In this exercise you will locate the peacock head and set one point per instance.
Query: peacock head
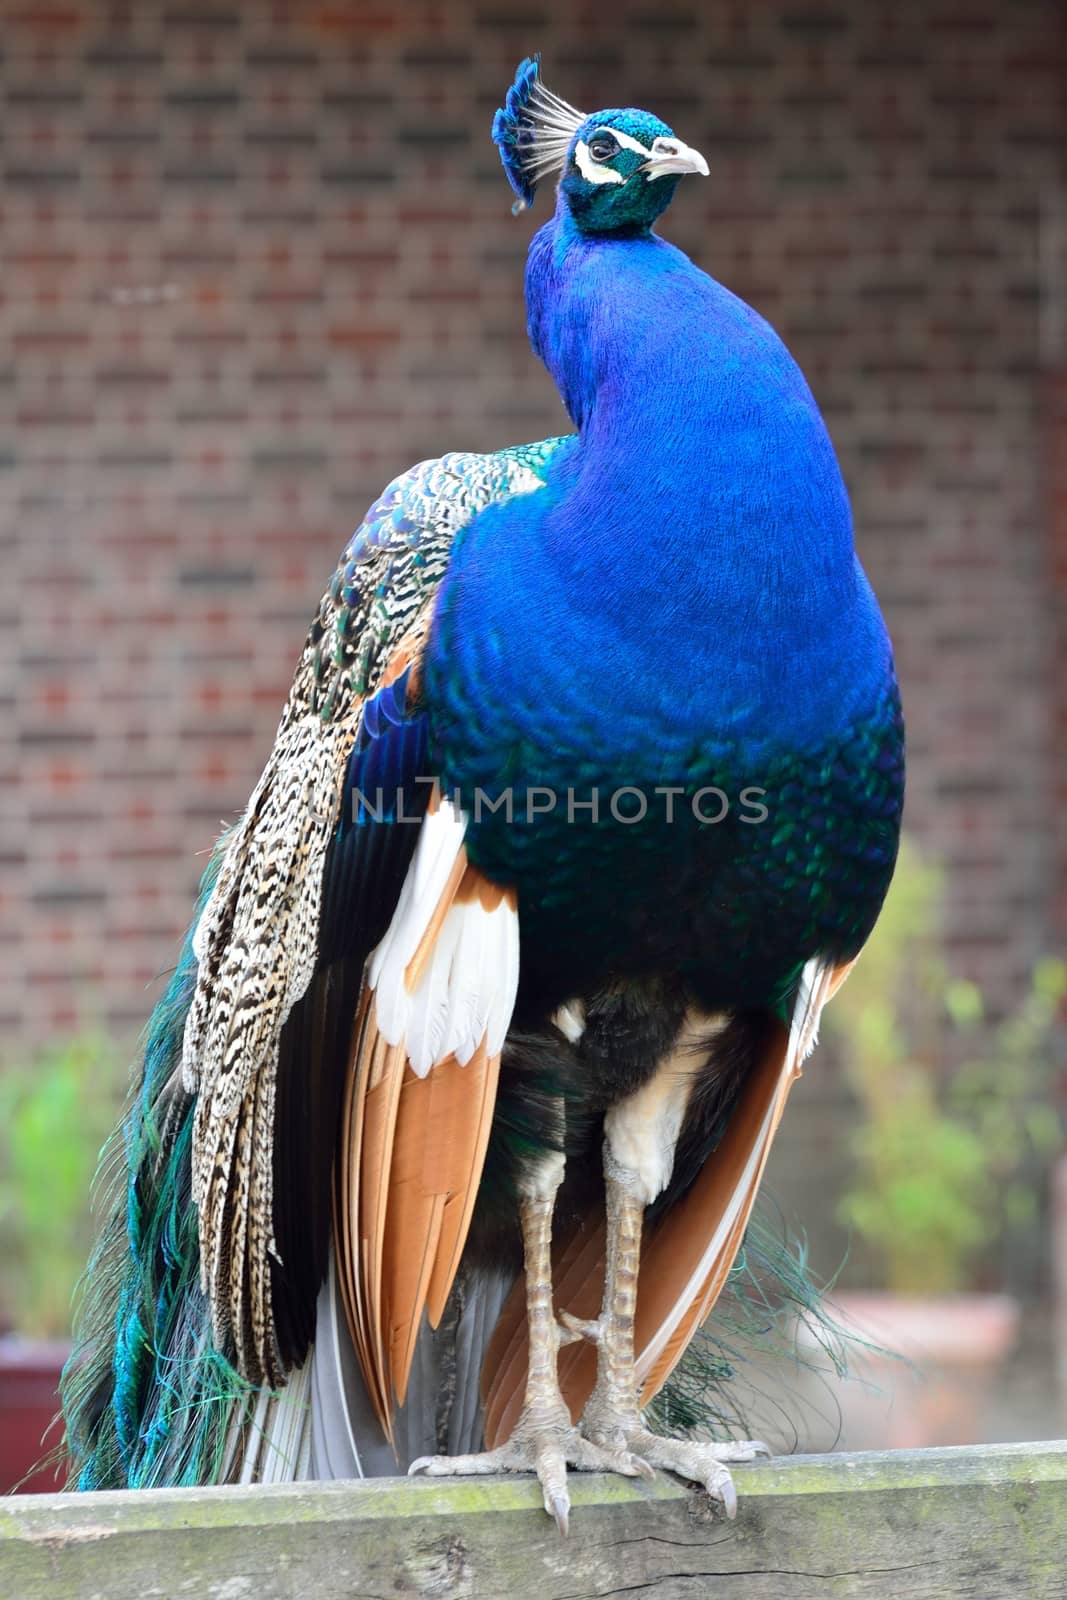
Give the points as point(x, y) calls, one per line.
point(619, 169)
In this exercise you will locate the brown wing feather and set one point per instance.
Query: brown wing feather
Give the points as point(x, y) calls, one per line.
point(673, 1253)
point(381, 1105)
point(467, 1143)
point(410, 1163)
point(674, 1250)
point(414, 1227)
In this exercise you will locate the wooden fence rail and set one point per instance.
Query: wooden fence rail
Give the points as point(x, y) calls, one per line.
point(920, 1525)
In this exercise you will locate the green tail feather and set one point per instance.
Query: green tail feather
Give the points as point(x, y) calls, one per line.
point(147, 1398)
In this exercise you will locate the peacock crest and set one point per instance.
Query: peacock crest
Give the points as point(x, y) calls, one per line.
point(533, 130)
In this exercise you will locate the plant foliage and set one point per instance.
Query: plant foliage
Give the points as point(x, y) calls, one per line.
point(55, 1113)
point(949, 1157)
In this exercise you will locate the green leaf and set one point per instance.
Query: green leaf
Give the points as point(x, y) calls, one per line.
point(55, 1113)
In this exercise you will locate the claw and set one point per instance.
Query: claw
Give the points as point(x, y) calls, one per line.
point(699, 1462)
point(459, 1466)
point(546, 1452)
point(626, 1462)
point(559, 1507)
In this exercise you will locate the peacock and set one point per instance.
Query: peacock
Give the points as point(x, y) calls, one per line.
point(449, 1125)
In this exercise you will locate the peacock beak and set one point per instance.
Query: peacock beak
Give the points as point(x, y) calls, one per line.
point(671, 155)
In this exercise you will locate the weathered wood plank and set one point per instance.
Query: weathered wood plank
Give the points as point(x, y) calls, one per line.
point(920, 1525)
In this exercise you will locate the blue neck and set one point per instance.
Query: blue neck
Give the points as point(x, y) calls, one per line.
point(704, 463)
point(697, 536)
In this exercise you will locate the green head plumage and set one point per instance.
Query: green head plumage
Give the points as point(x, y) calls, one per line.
point(619, 168)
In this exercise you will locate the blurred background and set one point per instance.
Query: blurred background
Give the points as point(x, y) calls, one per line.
point(258, 258)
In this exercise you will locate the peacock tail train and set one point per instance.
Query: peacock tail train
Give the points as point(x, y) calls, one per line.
point(148, 1398)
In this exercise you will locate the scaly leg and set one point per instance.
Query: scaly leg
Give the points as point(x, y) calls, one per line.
point(611, 1419)
point(545, 1440)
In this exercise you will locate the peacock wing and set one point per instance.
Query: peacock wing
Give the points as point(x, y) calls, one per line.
point(311, 881)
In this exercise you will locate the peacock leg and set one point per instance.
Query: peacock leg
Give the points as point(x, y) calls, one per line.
point(612, 1417)
point(544, 1440)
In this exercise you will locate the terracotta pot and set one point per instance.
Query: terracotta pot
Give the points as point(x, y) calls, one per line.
point(29, 1401)
point(953, 1347)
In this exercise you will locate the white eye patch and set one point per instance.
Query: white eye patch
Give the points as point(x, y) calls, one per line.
point(594, 171)
point(597, 172)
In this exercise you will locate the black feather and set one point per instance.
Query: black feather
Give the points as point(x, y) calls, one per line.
point(364, 870)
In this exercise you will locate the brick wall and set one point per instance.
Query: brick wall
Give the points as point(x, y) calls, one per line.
point(1052, 411)
point(258, 257)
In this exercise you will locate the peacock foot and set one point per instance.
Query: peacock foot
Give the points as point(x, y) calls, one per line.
point(705, 1462)
point(545, 1443)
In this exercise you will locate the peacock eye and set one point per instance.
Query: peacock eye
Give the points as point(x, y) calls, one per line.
point(602, 146)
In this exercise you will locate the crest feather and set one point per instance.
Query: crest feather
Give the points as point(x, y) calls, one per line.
point(533, 130)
